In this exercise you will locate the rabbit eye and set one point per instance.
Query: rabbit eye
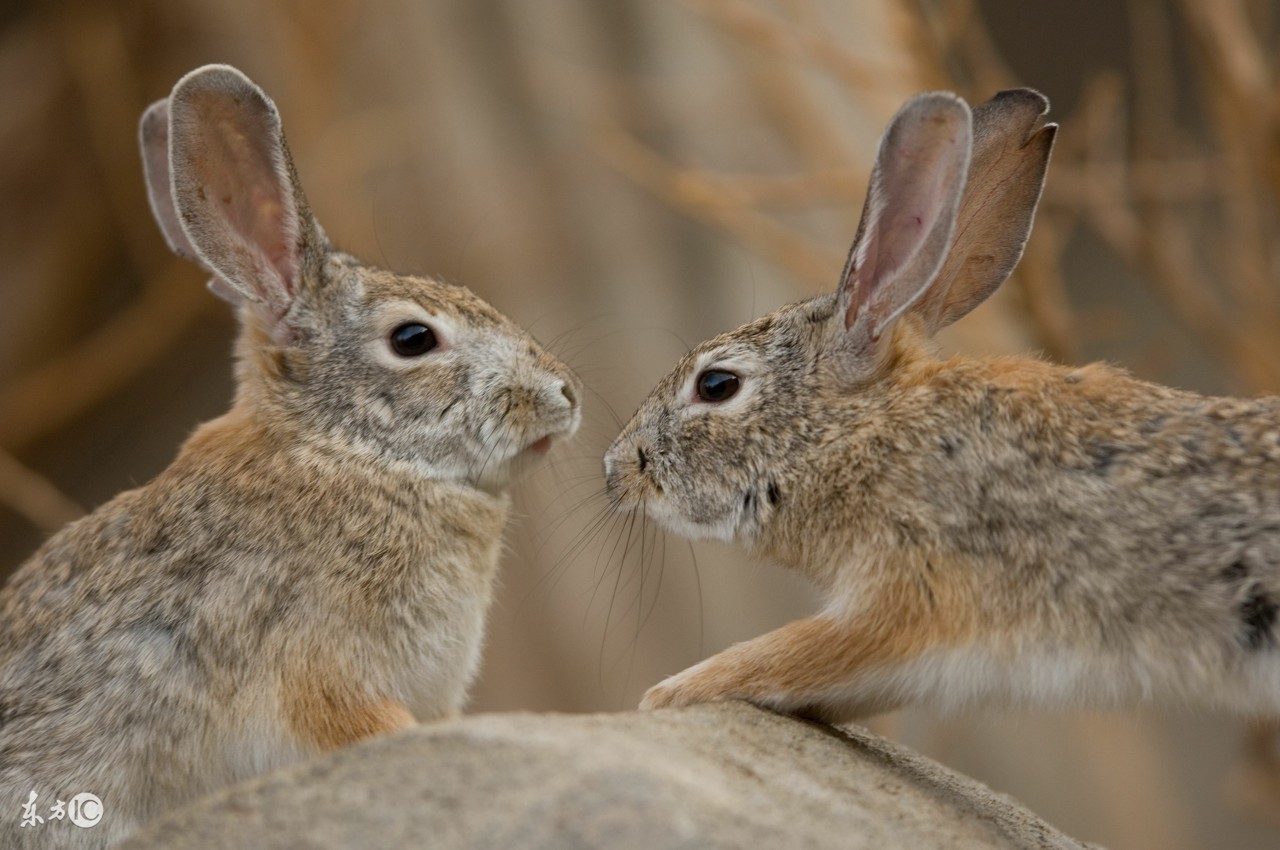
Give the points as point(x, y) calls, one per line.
point(716, 385)
point(412, 339)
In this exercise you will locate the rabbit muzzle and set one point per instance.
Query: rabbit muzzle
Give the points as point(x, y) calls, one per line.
point(628, 474)
point(527, 420)
point(556, 414)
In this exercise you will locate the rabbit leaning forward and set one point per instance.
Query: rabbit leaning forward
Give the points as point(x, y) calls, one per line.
point(316, 565)
point(982, 529)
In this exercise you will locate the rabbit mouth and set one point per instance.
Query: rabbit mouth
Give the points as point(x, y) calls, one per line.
point(515, 455)
point(560, 431)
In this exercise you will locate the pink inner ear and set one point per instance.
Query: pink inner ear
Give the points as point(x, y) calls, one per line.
point(272, 229)
point(243, 178)
point(892, 241)
point(915, 187)
point(862, 283)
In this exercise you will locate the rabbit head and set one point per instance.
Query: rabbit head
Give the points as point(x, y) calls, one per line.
point(333, 352)
point(744, 417)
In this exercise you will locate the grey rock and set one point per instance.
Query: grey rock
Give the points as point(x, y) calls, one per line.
point(726, 775)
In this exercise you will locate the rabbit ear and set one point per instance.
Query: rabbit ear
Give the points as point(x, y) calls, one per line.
point(153, 137)
point(909, 214)
point(236, 192)
point(1011, 146)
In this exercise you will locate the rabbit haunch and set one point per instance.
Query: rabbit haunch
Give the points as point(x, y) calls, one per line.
point(316, 565)
point(982, 529)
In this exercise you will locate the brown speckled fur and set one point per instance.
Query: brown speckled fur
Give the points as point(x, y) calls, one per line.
point(316, 565)
point(983, 529)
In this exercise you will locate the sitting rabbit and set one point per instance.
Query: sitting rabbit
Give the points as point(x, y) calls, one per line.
point(315, 566)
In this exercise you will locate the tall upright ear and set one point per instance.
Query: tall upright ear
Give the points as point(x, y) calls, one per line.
point(236, 192)
point(1011, 147)
point(153, 138)
point(909, 214)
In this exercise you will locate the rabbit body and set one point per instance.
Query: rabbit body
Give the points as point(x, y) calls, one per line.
point(316, 565)
point(237, 614)
point(982, 529)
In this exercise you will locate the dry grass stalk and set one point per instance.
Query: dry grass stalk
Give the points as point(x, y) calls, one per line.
point(93, 52)
point(802, 42)
point(717, 202)
point(60, 390)
point(34, 497)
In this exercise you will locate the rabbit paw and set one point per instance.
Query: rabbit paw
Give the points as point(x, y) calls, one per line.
point(691, 687)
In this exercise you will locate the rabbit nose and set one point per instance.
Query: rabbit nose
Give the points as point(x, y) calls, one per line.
point(627, 472)
point(613, 458)
point(561, 395)
point(617, 456)
point(568, 392)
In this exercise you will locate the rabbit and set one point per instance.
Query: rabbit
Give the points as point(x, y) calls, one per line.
point(982, 530)
point(315, 566)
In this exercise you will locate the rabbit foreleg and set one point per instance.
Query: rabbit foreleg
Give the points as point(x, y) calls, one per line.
point(811, 667)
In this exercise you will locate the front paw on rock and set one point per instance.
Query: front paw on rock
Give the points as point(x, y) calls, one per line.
point(673, 693)
point(660, 695)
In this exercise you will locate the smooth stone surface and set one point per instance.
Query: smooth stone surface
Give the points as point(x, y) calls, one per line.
point(726, 775)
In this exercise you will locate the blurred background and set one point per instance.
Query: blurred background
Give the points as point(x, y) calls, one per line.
point(626, 179)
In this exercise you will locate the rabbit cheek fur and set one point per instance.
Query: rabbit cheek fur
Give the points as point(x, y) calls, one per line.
point(316, 565)
point(982, 529)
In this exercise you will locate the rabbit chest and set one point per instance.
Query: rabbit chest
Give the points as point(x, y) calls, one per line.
point(397, 571)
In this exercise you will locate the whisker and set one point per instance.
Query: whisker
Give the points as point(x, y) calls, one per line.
point(658, 590)
point(580, 541)
point(614, 598)
point(544, 536)
point(648, 533)
point(630, 652)
point(603, 520)
point(624, 582)
point(613, 414)
point(599, 573)
point(697, 579)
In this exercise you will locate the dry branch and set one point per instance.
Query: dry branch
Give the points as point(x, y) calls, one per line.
point(34, 497)
point(62, 389)
point(716, 203)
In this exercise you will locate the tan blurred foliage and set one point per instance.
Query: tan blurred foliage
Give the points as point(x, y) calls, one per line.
point(626, 178)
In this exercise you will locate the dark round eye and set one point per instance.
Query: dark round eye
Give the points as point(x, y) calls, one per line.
point(715, 385)
point(412, 339)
